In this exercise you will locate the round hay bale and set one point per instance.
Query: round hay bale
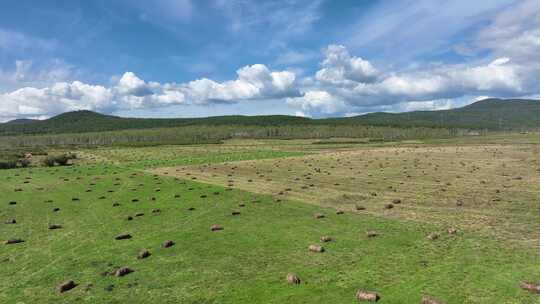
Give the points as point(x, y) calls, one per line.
point(433, 236)
point(293, 279)
point(452, 231)
point(167, 244)
point(367, 296)
point(123, 237)
point(530, 287)
point(66, 286)
point(326, 239)
point(216, 227)
point(316, 248)
point(319, 215)
point(372, 234)
point(13, 241)
point(430, 300)
point(11, 221)
point(340, 212)
point(54, 226)
point(388, 206)
point(122, 271)
point(143, 254)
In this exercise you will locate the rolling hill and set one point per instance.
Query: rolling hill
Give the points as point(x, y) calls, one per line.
point(493, 114)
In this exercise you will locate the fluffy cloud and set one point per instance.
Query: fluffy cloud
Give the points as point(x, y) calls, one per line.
point(254, 82)
point(340, 68)
point(351, 84)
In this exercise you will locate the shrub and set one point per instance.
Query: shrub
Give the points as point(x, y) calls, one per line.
point(8, 164)
point(49, 161)
point(24, 162)
point(60, 160)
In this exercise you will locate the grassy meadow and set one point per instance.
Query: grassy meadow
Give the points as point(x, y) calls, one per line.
point(265, 194)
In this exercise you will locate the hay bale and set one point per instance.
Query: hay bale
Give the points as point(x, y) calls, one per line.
point(216, 227)
point(372, 234)
point(530, 287)
point(430, 300)
point(66, 286)
point(54, 226)
point(56, 209)
point(318, 215)
point(13, 241)
point(235, 213)
point(122, 271)
point(396, 201)
point(167, 244)
point(388, 206)
point(326, 239)
point(367, 296)
point(123, 237)
point(293, 279)
point(433, 236)
point(11, 221)
point(340, 212)
point(143, 254)
point(316, 248)
point(452, 231)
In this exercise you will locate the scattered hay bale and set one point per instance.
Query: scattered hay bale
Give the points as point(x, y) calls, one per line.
point(122, 271)
point(430, 300)
point(396, 201)
point(116, 204)
point(452, 231)
point(13, 241)
point(235, 212)
point(156, 210)
point(316, 248)
point(241, 205)
point(372, 234)
point(75, 199)
point(191, 208)
point(340, 212)
point(56, 209)
point(123, 237)
point(388, 206)
point(326, 239)
point(530, 287)
point(11, 221)
point(66, 286)
point(360, 208)
point(54, 226)
point(167, 244)
point(367, 296)
point(433, 236)
point(216, 227)
point(139, 214)
point(293, 279)
point(129, 218)
point(318, 215)
point(12, 203)
point(143, 254)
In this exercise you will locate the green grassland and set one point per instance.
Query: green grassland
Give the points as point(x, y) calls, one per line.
point(247, 261)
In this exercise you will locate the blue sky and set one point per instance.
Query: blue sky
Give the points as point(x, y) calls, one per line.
point(181, 58)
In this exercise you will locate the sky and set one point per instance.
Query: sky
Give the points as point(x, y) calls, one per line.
point(315, 58)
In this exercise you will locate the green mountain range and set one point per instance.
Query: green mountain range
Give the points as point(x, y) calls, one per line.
point(493, 114)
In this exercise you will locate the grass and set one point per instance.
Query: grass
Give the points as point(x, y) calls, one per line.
point(246, 262)
point(484, 187)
